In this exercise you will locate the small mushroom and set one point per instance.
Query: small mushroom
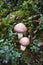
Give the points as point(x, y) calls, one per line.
point(24, 42)
point(20, 28)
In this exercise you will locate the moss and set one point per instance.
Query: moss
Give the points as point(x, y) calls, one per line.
point(19, 14)
point(23, 11)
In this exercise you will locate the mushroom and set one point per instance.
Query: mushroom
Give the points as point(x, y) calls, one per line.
point(20, 28)
point(24, 42)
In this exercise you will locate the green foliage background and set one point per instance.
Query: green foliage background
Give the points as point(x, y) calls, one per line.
point(29, 12)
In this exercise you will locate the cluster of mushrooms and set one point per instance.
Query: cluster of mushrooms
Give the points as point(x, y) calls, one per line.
point(21, 29)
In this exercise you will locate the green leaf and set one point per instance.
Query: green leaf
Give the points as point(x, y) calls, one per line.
point(25, 5)
point(5, 48)
point(7, 57)
point(1, 40)
point(2, 51)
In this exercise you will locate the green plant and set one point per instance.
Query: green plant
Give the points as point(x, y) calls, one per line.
point(29, 12)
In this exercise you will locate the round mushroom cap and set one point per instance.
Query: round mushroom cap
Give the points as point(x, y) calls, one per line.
point(20, 28)
point(24, 41)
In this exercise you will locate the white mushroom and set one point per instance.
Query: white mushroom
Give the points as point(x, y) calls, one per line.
point(20, 29)
point(24, 42)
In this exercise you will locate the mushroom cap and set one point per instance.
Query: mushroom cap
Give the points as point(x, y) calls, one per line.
point(24, 41)
point(20, 28)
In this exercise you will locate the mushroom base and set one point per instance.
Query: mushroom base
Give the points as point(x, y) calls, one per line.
point(22, 47)
point(20, 35)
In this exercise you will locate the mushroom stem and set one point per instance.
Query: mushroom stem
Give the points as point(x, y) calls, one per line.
point(22, 47)
point(20, 35)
